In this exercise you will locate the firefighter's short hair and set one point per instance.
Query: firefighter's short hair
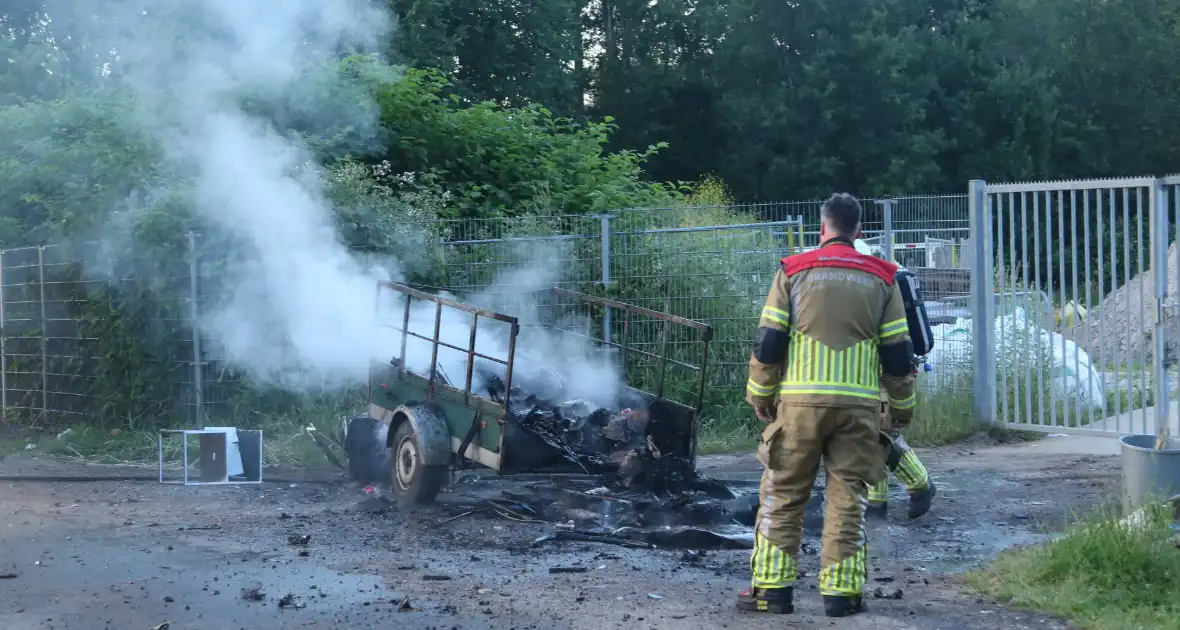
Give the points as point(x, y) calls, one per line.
point(842, 212)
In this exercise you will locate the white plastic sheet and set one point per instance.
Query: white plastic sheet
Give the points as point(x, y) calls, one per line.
point(1022, 348)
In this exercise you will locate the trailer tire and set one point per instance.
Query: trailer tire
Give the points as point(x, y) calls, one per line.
point(413, 481)
point(369, 460)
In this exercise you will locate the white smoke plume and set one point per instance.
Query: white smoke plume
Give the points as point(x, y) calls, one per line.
point(542, 355)
point(300, 312)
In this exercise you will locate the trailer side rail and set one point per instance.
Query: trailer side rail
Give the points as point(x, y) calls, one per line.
point(476, 312)
point(668, 320)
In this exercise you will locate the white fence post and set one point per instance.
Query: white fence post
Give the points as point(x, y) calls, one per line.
point(605, 274)
point(983, 304)
point(3, 348)
point(1159, 230)
point(44, 337)
point(195, 313)
point(887, 227)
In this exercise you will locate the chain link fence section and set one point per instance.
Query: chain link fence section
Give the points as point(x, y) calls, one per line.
point(690, 264)
point(494, 257)
point(83, 338)
point(708, 263)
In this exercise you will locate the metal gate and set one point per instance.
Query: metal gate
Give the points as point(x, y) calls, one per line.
point(1070, 309)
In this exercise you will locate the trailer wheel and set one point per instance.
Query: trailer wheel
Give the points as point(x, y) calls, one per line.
point(368, 457)
point(414, 481)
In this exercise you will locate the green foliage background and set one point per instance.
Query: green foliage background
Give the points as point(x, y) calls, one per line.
point(528, 109)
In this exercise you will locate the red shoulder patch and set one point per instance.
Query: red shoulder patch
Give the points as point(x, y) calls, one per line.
point(840, 256)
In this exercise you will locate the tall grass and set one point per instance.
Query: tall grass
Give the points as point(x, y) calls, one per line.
point(1105, 573)
point(941, 417)
point(284, 426)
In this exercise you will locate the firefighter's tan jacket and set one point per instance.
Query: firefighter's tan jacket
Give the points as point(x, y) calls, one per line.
point(833, 336)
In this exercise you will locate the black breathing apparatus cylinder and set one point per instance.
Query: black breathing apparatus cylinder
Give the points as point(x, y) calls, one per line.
point(921, 333)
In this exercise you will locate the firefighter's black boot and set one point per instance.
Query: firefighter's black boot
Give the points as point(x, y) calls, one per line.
point(877, 510)
point(843, 605)
point(921, 500)
point(776, 601)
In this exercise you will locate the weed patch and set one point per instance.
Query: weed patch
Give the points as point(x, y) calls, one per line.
point(1103, 574)
point(728, 423)
point(286, 441)
point(942, 417)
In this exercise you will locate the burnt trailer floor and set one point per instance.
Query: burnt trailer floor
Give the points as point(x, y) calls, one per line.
point(134, 554)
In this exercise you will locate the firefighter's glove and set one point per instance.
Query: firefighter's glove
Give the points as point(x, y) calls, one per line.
point(764, 407)
point(900, 419)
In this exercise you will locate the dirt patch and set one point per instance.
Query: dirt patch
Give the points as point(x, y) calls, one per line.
point(113, 551)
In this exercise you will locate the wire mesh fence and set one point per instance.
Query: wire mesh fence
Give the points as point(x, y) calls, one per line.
point(111, 342)
point(85, 337)
point(682, 261)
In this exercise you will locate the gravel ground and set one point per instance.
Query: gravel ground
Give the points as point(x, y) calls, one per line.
point(135, 554)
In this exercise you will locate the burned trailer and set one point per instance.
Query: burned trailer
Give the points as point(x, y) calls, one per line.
point(512, 411)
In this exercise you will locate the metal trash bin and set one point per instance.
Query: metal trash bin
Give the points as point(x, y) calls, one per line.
point(1148, 473)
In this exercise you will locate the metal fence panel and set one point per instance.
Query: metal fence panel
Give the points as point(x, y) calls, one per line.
point(488, 256)
point(1168, 199)
point(928, 235)
point(718, 275)
point(675, 260)
point(714, 264)
point(77, 342)
point(1074, 278)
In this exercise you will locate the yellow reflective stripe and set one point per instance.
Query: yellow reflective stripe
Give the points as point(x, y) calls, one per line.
point(820, 388)
point(879, 492)
point(902, 404)
point(758, 389)
point(895, 327)
point(846, 577)
point(777, 315)
point(771, 566)
point(911, 473)
point(813, 368)
point(810, 361)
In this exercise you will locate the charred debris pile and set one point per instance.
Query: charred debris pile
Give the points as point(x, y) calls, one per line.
point(632, 445)
point(641, 494)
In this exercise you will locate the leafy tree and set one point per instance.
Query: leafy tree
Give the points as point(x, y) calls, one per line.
point(498, 160)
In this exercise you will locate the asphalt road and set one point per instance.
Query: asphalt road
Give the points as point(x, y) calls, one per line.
point(122, 555)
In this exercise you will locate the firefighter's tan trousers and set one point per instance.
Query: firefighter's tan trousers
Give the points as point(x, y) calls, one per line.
point(791, 450)
point(908, 470)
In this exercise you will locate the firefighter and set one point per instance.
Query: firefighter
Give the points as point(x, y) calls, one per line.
point(832, 332)
point(900, 459)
